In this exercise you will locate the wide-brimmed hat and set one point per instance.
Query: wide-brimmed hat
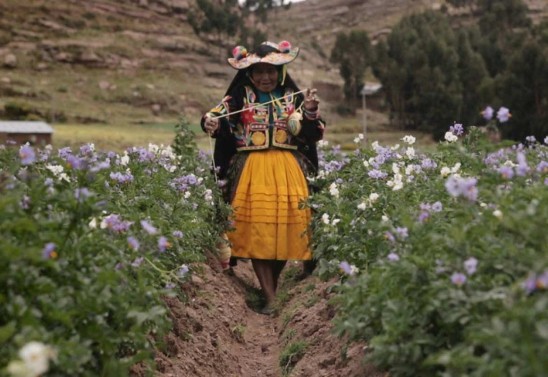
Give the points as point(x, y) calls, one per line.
point(268, 52)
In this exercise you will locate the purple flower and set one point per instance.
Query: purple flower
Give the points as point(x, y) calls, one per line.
point(64, 152)
point(437, 207)
point(506, 171)
point(81, 194)
point(87, 149)
point(74, 162)
point(457, 129)
point(428, 164)
point(487, 113)
point(116, 224)
point(121, 177)
point(503, 114)
point(423, 216)
point(49, 251)
point(183, 270)
point(458, 279)
point(530, 284)
point(133, 243)
point(25, 202)
point(466, 187)
point(542, 167)
point(389, 236)
point(402, 232)
point(522, 167)
point(376, 174)
point(470, 265)
point(346, 268)
point(163, 244)
point(100, 166)
point(137, 262)
point(177, 234)
point(27, 154)
point(148, 227)
point(393, 257)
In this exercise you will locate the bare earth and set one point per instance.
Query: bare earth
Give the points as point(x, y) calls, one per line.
point(216, 333)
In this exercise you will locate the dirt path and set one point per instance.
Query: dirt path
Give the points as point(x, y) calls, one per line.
point(216, 333)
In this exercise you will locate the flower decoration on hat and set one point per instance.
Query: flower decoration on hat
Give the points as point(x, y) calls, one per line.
point(284, 46)
point(239, 52)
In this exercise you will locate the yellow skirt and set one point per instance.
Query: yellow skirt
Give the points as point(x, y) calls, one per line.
point(267, 219)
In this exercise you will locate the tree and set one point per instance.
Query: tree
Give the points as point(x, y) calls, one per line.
point(419, 71)
point(474, 78)
point(524, 89)
point(352, 52)
point(220, 18)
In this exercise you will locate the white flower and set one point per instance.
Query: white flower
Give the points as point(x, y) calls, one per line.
point(124, 160)
point(455, 168)
point(408, 139)
point(187, 195)
point(64, 177)
point(397, 186)
point(335, 221)
point(333, 190)
point(450, 137)
point(361, 136)
point(373, 197)
point(409, 169)
point(362, 206)
point(509, 164)
point(395, 147)
point(357, 140)
point(55, 169)
point(445, 171)
point(322, 143)
point(208, 195)
point(325, 219)
point(35, 356)
point(365, 163)
point(410, 152)
point(385, 218)
point(153, 148)
point(93, 223)
point(497, 213)
point(375, 144)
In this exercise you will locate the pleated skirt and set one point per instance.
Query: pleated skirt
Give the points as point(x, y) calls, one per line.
point(267, 220)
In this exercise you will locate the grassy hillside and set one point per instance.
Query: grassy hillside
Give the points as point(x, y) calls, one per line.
point(125, 63)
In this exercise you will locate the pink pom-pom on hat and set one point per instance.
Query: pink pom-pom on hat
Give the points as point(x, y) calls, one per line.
point(284, 46)
point(239, 52)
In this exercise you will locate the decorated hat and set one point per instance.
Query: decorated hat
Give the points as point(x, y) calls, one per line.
point(268, 52)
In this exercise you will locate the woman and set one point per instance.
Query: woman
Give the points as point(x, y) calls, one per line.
point(265, 132)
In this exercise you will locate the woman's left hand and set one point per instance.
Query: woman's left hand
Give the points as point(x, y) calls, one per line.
point(311, 100)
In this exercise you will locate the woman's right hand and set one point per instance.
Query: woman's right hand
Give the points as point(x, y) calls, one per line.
point(211, 125)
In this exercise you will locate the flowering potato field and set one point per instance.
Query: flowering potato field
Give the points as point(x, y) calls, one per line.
point(445, 256)
point(89, 243)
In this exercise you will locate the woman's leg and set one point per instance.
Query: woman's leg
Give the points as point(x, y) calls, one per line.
point(278, 267)
point(265, 273)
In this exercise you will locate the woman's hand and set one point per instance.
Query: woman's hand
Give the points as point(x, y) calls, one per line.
point(311, 100)
point(211, 125)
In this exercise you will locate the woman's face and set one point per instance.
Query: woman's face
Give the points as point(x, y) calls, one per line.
point(264, 76)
